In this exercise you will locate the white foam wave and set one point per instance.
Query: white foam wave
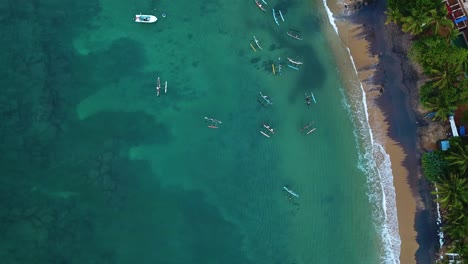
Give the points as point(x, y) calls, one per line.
point(439, 220)
point(330, 16)
point(375, 162)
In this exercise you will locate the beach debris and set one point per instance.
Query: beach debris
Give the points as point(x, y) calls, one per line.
point(269, 130)
point(290, 192)
point(212, 123)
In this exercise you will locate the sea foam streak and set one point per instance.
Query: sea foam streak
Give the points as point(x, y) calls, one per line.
point(375, 162)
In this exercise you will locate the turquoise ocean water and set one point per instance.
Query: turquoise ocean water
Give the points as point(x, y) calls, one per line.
point(98, 169)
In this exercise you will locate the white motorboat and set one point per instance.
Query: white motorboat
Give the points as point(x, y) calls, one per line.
point(145, 18)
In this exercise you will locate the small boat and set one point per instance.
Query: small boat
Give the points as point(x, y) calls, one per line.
point(313, 97)
point(310, 131)
point(290, 192)
point(165, 87)
point(264, 2)
point(213, 120)
point(145, 18)
point(307, 126)
point(269, 128)
point(281, 15)
point(260, 5)
point(274, 16)
point(214, 123)
point(307, 98)
point(257, 43)
point(265, 98)
point(158, 87)
point(293, 67)
point(273, 68)
point(294, 62)
point(294, 34)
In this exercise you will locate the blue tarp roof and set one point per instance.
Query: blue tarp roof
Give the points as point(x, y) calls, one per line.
point(444, 145)
point(460, 19)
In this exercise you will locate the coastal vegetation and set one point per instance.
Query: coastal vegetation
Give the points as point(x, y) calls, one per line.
point(446, 88)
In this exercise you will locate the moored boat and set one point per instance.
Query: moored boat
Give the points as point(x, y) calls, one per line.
point(145, 18)
point(290, 192)
point(294, 62)
point(276, 19)
point(294, 34)
point(260, 5)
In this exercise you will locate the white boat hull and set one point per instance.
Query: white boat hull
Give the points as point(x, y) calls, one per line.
point(145, 19)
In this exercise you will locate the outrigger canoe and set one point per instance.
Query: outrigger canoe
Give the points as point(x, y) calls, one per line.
point(294, 34)
point(274, 16)
point(257, 43)
point(294, 62)
point(145, 18)
point(290, 192)
point(260, 5)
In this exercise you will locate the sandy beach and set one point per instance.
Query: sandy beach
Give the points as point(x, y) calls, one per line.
point(391, 89)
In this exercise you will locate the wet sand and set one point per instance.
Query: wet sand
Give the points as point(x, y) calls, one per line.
point(391, 89)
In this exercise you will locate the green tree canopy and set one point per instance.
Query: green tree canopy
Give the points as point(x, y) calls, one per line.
point(433, 53)
point(453, 192)
point(458, 158)
point(434, 165)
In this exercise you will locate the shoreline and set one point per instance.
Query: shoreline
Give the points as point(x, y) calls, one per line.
point(390, 84)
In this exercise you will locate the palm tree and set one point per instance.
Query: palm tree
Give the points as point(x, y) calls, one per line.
point(416, 22)
point(452, 32)
point(453, 192)
point(459, 158)
point(438, 18)
point(440, 106)
point(393, 15)
point(446, 77)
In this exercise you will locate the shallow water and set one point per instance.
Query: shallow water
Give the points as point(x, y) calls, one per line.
point(98, 169)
